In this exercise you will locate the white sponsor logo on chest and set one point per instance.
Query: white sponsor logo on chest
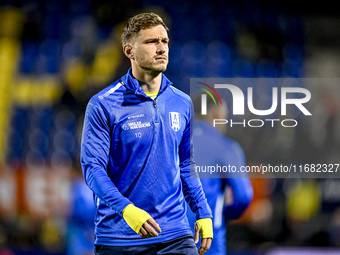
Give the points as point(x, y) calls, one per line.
point(135, 125)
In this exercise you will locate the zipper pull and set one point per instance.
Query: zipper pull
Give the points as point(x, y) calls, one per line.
point(154, 103)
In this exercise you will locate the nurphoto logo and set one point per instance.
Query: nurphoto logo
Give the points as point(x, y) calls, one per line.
point(204, 97)
point(281, 99)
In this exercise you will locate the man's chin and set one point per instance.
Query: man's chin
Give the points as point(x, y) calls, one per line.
point(155, 70)
point(160, 69)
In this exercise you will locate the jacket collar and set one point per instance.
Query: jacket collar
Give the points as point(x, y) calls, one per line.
point(132, 84)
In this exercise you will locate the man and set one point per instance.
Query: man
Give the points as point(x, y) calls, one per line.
point(228, 194)
point(136, 154)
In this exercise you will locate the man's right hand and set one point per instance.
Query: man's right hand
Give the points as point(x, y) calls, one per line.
point(148, 228)
point(140, 221)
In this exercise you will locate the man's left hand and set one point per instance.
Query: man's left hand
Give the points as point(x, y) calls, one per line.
point(205, 228)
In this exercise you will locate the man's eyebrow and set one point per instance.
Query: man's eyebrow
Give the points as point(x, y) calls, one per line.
point(156, 39)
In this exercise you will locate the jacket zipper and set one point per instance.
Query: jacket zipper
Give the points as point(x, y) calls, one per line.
point(156, 111)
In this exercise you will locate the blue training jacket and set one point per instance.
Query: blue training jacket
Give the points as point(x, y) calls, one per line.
point(138, 150)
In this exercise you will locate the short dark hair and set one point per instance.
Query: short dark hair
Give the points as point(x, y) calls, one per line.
point(139, 22)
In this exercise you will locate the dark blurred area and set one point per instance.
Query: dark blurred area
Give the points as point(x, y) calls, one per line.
point(55, 55)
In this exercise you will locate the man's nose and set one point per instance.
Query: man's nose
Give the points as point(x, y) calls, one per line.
point(161, 48)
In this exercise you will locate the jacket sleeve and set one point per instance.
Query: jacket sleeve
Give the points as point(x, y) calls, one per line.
point(95, 147)
point(192, 187)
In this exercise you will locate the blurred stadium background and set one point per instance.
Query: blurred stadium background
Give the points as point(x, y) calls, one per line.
point(54, 55)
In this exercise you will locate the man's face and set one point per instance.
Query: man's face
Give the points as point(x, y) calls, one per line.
point(151, 49)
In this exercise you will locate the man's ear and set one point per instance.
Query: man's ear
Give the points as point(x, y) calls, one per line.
point(128, 51)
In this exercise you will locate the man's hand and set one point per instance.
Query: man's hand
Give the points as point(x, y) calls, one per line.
point(140, 221)
point(204, 227)
point(149, 231)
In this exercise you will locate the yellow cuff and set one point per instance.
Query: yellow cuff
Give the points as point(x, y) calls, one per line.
point(135, 217)
point(206, 228)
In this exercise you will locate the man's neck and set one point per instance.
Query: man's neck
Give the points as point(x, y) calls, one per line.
point(150, 82)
